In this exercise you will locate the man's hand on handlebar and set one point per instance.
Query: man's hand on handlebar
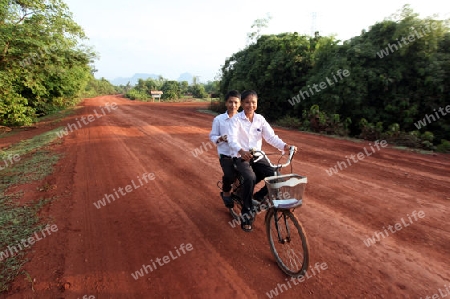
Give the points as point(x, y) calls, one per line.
point(245, 155)
point(287, 148)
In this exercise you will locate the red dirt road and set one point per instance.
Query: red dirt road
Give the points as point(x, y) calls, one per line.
point(95, 250)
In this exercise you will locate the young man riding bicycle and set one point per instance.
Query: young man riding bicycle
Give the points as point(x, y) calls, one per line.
point(219, 135)
point(246, 131)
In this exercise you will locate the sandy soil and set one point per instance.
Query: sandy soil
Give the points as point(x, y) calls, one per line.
point(96, 250)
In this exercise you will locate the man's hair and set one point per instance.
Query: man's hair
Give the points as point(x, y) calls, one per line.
point(232, 94)
point(247, 93)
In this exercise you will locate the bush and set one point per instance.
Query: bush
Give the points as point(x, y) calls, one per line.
point(427, 136)
point(289, 122)
point(134, 94)
point(218, 106)
point(444, 147)
point(198, 91)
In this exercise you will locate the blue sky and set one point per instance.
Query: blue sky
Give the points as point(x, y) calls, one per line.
point(170, 37)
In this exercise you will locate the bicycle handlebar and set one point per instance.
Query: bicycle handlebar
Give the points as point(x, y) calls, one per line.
point(263, 154)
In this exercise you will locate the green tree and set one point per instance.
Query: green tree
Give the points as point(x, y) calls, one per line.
point(184, 87)
point(198, 91)
point(396, 74)
point(171, 90)
point(96, 87)
point(276, 67)
point(212, 86)
point(259, 24)
point(43, 65)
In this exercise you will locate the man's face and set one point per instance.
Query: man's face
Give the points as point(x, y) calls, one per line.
point(233, 104)
point(249, 104)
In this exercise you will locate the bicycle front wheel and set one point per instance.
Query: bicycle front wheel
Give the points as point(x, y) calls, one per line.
point(288, 242)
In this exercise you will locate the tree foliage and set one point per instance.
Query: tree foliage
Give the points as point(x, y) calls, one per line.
point(398, 73)
point(95, 87)
point(172, 90)
point(43, 63)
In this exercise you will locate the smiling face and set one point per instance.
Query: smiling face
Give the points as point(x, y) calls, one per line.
point(232, 105)
point(249, 104)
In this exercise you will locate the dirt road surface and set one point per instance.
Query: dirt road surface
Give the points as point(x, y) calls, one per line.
point(97, 249)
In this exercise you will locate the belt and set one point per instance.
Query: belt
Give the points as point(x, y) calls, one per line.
point(224, 156)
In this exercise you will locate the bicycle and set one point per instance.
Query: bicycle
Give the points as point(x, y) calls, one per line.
point(285, 194)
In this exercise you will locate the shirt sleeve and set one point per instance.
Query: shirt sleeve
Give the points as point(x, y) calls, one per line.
point(215, 131)
point(270, 136)
point(233, 142)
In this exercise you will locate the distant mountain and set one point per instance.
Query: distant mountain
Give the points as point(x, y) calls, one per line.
point(186, 77)
point(133, 80)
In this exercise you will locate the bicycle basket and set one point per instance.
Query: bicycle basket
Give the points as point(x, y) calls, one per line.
point(286, 191)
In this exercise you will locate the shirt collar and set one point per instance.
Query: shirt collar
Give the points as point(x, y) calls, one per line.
point(225, 115)
point(242, 115)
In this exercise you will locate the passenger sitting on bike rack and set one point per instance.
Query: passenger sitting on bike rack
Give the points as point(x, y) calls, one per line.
point(219, 135)
point(247, 129)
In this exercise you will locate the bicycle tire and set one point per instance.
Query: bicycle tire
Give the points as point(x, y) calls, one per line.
point(236, 197)
point(297, 266)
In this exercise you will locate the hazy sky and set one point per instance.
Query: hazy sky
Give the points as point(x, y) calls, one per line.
point(170, 37)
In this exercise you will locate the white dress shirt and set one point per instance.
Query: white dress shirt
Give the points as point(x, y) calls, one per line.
point(245, 134)
point(220, 127)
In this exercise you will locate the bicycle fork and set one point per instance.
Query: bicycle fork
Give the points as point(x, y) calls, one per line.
point(282, 240)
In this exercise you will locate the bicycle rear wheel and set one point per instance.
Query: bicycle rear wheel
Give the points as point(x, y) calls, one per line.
point(288, 242)
point(236, 197)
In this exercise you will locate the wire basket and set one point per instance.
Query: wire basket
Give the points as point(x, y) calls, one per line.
point(286, 191)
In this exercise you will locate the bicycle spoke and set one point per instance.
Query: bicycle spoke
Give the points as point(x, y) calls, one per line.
point(288, 242)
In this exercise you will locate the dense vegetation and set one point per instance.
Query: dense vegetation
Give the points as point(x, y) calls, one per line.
point(376, 85)
point(172, 90)
point(390, 82)
point(44, 66)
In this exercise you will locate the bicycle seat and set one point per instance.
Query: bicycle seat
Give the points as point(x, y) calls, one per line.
point(287, 203)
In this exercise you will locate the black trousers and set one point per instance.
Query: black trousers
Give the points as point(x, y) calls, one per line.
point(253, 173)
point(229, 173)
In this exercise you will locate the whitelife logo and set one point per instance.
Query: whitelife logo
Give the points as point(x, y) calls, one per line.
point(342, 165)
point(128, 188)
point(412, 37)
point(429, 118)
point(11, 157)
point(322, 85)
point(165, 260)
point(393, 229)
point(47, 231)
point(90, 118)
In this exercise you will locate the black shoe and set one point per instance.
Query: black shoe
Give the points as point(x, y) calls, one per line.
point(247, 222)
point(227, 201)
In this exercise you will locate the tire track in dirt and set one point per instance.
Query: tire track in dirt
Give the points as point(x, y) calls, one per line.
point(102, 247)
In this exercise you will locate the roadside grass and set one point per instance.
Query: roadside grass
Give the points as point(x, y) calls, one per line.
point(185, 99)
point(52, 118)
point(207, 112)
point(58, 116)
point(20, 221)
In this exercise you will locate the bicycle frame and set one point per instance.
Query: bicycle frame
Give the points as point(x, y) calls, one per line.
point(237, 183)
point(278, 168)
point(289, 231)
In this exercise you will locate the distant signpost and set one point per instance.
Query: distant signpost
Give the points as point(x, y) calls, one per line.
point(156, 94)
